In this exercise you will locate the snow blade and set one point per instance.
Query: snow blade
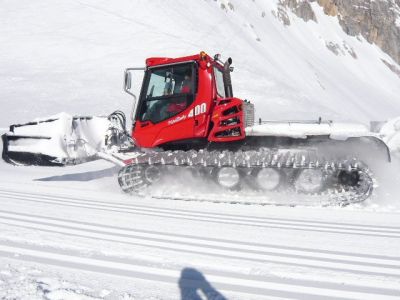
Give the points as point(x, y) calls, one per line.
point(23, 157)
point(57, 141)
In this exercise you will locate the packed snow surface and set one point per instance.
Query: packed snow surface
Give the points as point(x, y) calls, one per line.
point(70, 233)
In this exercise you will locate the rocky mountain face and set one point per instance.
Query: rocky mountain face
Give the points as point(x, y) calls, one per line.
point(378, 21)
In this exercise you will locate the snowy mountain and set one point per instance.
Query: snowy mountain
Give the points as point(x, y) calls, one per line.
point(293, 59)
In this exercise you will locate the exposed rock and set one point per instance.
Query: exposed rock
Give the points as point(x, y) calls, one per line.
point(225, 5)
point(393, 68)
point(281, 15)
point(329, 6)
point(350, 50)
point(333, 47)
point(378, 21)
point(300, 8)
point(337, 49)
point(375, 20)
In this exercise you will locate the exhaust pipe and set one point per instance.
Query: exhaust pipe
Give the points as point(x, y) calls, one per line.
point(227, 78)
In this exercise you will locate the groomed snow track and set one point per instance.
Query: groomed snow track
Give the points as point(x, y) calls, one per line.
point(276, 269)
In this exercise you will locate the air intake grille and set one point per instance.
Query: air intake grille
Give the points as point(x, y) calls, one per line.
point(248, 110)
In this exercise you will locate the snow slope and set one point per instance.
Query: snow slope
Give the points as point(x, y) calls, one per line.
point(70, 55)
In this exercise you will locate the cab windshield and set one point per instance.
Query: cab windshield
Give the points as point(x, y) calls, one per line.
point(168, 91)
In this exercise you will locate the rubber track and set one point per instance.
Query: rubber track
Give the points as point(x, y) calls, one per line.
point(131, 179)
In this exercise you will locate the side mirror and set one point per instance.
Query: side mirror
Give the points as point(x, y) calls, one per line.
point(128, 81)
point(128, 88)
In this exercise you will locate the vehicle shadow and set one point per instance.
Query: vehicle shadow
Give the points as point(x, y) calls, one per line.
point(194, 286)
point(85, 176)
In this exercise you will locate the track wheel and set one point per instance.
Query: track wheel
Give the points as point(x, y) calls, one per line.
point(134, 178)
point(349, 178)
point(152, 174)
point(227, 177)
point(267, 179)
point(309, 181)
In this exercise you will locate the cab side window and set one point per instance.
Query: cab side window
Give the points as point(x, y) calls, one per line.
point(219, 80)
point(169, 90)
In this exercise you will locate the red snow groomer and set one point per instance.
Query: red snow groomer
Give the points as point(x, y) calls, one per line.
point(186, 118)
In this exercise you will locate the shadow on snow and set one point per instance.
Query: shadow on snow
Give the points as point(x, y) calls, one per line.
point(85, 176)
point(194, 286)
